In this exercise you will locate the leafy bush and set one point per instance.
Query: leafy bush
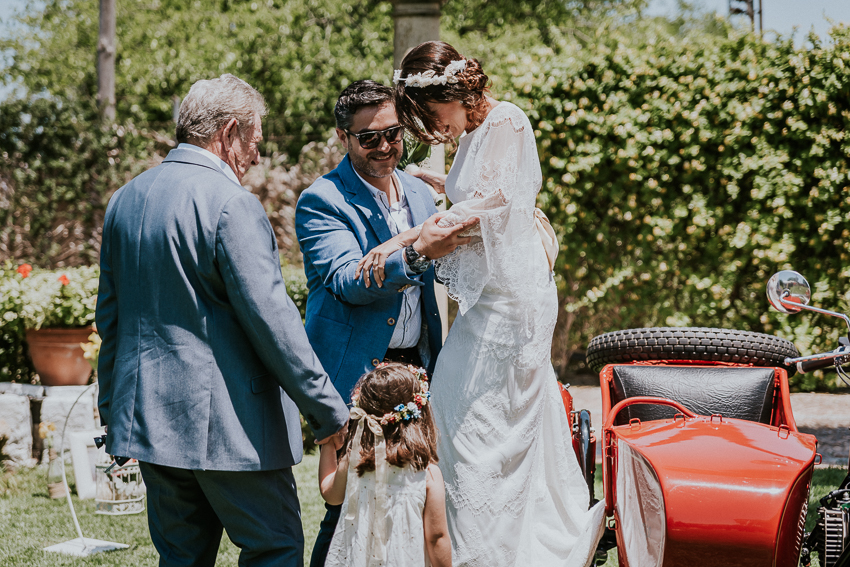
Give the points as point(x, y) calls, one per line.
point(296, 286)
point(682, 173)
point(62, 298)
point(278, 186)
point(15, 364)
point(57, 171)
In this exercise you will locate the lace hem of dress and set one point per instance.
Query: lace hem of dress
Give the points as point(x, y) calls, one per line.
point(476, 551)
point(507, 485)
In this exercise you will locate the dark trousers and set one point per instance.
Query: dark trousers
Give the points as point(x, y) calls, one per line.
point(326, 534)
point(187, 510)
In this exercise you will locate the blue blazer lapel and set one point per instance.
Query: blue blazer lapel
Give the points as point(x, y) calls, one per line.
point(418, 198)
point(360, 197)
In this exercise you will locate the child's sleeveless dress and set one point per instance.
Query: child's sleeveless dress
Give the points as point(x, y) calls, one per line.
point(360, 531)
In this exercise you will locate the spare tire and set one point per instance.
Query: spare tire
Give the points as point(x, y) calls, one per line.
point(690, 344)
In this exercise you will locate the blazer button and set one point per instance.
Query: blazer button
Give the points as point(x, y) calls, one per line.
point(375, 362)
point(390, 321)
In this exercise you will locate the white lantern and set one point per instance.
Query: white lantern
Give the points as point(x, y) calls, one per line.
point(121, 490)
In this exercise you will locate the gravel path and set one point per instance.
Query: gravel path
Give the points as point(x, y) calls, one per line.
point(826, 416)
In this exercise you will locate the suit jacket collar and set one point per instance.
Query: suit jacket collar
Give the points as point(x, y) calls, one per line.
point(361, 198)
point(418, 197)
point(193, 158)
point(416, 193)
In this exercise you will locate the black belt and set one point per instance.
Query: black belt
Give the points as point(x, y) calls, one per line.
point(404, 356)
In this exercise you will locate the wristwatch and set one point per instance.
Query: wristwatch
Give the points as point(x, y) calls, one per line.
point(417, 262)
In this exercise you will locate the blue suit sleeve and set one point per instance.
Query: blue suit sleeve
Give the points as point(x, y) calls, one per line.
point(106, 319)
point(328, 242)
point(248, 259)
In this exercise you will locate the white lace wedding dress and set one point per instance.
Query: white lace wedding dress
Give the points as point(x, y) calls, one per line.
point(515, 493)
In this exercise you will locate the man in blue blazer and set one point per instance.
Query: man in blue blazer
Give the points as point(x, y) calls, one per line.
point(204, 357)
point(364, 202)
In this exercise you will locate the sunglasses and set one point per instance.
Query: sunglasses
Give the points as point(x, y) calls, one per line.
point(372, 139)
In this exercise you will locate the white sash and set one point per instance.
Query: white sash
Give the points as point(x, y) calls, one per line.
point(547, 236)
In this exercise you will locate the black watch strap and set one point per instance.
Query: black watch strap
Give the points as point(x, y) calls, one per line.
point(418, 263)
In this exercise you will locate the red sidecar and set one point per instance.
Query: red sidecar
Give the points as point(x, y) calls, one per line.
point(702, 461)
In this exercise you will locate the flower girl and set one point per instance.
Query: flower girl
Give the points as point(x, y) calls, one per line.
point(387, 480)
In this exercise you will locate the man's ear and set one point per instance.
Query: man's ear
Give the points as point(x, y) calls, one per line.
point(231, 131)
point(343, 138)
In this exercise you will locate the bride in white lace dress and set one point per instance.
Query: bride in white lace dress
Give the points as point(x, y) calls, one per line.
point(515, 493)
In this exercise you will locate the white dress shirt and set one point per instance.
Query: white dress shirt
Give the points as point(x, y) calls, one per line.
point(409, 323)
point(217, 161)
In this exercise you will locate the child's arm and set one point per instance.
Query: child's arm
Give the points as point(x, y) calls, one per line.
point(437, 542)
point(332, 475)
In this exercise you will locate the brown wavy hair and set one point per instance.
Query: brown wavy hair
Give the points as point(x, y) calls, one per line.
point(470, 90)
point(411, 442)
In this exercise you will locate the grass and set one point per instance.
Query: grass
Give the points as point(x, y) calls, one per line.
point(30, 521)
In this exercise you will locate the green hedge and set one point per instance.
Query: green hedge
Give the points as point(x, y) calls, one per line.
point(682, 173)
point(58, 168)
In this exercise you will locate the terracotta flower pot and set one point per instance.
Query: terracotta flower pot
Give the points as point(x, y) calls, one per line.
point(57, 356)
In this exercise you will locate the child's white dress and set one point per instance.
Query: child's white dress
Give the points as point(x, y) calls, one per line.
point(361, 528)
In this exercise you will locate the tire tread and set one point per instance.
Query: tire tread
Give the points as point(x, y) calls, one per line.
point(700, 344)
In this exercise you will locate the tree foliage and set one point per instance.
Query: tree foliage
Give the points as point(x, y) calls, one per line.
point(58, 170)
point(298, 53)
point(682, 173)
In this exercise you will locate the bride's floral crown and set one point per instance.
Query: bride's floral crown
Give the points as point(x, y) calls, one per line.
point(410, 410)
point(429, 78)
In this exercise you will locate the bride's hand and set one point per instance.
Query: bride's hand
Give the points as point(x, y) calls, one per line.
point(432, 178)
point(376, 258)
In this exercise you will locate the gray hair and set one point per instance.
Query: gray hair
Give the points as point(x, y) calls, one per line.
point(212, 103)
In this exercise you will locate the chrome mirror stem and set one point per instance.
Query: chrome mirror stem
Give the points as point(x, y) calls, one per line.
point(799, 306)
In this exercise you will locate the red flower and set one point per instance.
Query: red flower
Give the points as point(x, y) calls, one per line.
point(24, 270)
point(63, 279)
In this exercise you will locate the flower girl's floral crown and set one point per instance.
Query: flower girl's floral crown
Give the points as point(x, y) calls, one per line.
point(429, 78)
point(410, 410)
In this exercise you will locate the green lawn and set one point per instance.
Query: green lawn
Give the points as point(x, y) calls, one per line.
point(30, 521)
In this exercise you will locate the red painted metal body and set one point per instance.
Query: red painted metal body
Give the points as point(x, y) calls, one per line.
point(734, 491)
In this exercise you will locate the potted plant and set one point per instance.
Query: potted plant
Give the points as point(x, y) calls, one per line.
point(57, 309)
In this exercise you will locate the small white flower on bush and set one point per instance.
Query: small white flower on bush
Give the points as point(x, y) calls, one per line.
point(51, 298)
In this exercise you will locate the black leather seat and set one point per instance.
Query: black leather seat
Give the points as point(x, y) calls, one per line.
point(735, 392)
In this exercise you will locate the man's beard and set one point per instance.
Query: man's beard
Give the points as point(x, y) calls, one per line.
point(368, 168)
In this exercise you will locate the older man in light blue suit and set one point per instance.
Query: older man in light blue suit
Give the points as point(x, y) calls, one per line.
point(204, 356)
point(359, 206)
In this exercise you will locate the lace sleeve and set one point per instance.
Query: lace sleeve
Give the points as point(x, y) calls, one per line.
point(501, 175)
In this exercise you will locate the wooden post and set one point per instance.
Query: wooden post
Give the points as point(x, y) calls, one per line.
point(745, 7)
point(417, 22)
point(106, 60)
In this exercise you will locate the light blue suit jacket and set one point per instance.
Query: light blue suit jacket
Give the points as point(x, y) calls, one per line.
point(349, 325)
point(203, 351)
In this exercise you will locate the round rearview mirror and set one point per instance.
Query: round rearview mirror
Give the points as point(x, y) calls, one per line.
point(789, 287)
